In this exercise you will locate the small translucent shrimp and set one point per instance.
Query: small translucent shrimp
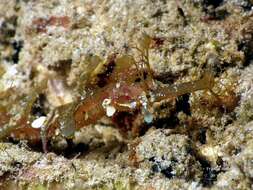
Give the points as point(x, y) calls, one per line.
point(119, 85)
point(131, 91)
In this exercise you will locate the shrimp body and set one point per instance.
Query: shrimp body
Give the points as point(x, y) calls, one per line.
point(120, 97)
point(122, 85)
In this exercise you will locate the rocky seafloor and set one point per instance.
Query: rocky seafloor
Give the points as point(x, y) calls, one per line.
point(205, 142)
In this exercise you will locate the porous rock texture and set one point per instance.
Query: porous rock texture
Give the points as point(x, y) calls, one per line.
point(206, 143)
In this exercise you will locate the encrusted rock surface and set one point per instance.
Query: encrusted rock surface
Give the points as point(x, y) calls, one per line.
point(205, 142)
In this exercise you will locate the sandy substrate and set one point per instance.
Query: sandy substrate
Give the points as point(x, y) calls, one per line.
point(200, 140)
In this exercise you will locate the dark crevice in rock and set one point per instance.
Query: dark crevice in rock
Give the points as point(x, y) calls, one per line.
point(213, 10)
point(172, 121)
point(74, 149)
point(168, 122)
point(214, 3)
point(209, 174)
point(246, 48)
point(202, 135)
point(168, 172)
point(158, 168)
point(17, 46)
point(219, 69)
point(7, 29)
point(7, 39)
point(182, 104)
point(212, 14)
point(246, 5)
point(62, 66)
point(38, 107)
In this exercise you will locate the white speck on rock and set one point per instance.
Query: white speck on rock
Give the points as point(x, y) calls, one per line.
point(110, 110)
point(117, 85)
point(106, 102)
point(38, 123)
